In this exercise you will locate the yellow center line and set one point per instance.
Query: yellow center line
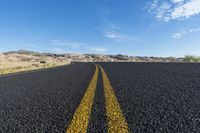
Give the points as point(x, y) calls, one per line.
point(116, 121)
point(80, 120)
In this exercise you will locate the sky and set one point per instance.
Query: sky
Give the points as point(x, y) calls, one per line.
point(129, 27)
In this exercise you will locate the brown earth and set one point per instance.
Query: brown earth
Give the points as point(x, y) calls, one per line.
point(17, 61)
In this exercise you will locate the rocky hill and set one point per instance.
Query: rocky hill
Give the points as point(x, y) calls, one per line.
point(24, 55)
point(23, 60)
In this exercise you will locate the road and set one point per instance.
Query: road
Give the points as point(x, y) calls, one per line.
point(103, 97)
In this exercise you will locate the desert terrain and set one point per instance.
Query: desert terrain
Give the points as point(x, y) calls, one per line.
point(22, 60)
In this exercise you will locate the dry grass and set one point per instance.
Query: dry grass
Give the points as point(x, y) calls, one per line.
point(15, 62)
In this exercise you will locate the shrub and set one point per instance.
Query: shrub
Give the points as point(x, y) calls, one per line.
point(42, 62)
point(189, 58)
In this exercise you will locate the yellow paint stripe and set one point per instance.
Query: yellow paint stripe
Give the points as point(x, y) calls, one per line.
point(81, 117)
point(116, 121)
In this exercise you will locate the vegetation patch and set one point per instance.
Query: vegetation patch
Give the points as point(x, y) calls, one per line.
point(190, 58)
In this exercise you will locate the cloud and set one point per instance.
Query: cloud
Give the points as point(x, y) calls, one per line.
point(70, 44)
point(97, 49)
point(186, 10)
point(113, 32)
point(75, 46)
point(57, 50)
point(115, 35)
point(180, 34)
point(168, 10)
point(177, 1)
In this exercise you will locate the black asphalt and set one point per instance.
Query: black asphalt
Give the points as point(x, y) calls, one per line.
point(158, 97)
point(42, 101)
point(154, 98)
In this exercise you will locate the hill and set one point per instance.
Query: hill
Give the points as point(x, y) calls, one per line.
point(22, 60)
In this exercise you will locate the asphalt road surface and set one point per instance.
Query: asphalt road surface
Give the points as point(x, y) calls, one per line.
point(107, 97)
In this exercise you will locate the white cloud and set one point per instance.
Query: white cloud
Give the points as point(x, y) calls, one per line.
point(175, 9)
point(113, 32)
point(98, 49)
point(75, 46)
point(180, 34)
point(162, 10)
point(115, 35)
point(194, 30)
point(186, 10)
point(57, 50)
point(70, 44)
point(177, 1)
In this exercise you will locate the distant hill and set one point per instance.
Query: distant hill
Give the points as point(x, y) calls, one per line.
point(22, 60)
point(94, 57)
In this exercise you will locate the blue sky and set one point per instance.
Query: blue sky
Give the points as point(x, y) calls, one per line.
point(142, 27)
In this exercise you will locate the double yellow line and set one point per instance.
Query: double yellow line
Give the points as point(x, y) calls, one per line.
point(115, 118)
